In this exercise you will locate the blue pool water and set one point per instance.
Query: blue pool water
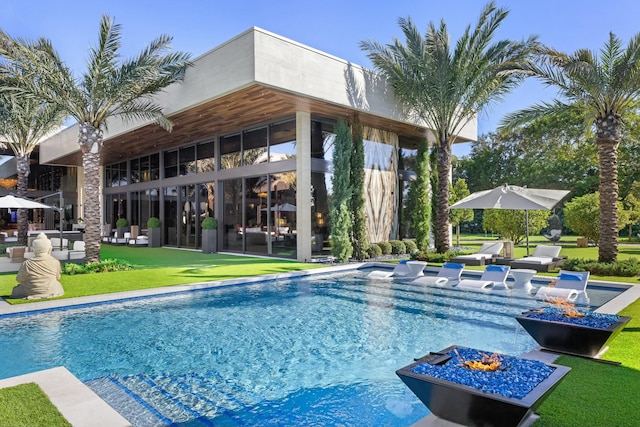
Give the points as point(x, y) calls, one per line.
point(319, 350)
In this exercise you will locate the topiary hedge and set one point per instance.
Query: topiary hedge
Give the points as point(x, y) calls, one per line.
point(373, 250)
point(385, 247)
point(411, 246)
point(398, 247)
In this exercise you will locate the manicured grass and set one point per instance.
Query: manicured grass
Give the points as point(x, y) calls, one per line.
point(27, 405)
point(157, 267)
point(596, 394)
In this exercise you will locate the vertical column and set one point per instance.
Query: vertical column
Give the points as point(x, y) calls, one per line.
point(303, 181)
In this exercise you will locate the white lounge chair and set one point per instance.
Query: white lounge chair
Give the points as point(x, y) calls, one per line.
point(485, 255)
point(570, 286)
point(544, 258)
point(493, 277)
point(401, 269)
point(450, 272)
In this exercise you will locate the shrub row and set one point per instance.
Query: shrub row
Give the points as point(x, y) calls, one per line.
point(624, 268)
point(394, 247)
point(104, 266)
point(433, 256)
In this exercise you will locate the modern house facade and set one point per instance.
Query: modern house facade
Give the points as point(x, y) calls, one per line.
point(252, 146)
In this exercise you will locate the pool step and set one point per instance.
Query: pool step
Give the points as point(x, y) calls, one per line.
point(163, 400)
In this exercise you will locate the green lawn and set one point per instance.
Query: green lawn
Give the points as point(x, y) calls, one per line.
point(27, 405)
point(157, 267)
point(597, 394)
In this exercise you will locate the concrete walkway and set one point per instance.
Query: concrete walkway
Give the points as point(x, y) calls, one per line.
point(75, 401)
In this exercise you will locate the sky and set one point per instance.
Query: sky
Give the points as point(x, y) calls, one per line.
point(334, 26)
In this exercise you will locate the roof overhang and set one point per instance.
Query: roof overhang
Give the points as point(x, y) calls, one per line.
point(253, 79)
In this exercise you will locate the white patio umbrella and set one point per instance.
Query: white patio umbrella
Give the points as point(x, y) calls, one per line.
point(515, 198)
point(15, 202)
point(11, 201)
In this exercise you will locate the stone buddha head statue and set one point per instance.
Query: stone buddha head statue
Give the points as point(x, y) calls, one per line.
point(41, 245)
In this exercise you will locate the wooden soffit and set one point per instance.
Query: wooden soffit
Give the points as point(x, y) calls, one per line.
point(249, 107)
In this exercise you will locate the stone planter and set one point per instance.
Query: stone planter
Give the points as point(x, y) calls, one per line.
point(565, 337)
point(155, 237)
point(209, 241)
point(472, 406)
point(121, 231)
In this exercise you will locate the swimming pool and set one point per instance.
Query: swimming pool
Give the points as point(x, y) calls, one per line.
point(317, 350)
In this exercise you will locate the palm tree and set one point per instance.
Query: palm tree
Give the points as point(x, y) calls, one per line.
point(447, 86)
point(24, 123)
point(602, 89)
point(109, 88)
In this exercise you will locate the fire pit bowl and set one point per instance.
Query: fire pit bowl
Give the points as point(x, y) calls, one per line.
point(505, 396)
point(585, 336)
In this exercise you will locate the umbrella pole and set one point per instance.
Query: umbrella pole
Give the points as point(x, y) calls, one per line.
point(526, 214)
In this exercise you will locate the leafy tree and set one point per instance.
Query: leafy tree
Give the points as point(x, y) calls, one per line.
point(458, 192)
point(512, 224)
point(582, 215)
point(109, 88)
point(340, 208)
point(419, 198)
point(359, 219)
point(631, 204)
point(24, 122)
point(447, 85)
point(601, 89)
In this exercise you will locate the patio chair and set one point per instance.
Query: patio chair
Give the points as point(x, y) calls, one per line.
point(569, 286)
point(494, 277)
point(544, 258)
point(553, 235)
point(16, 253)
point(449, 272)
point(485, 255)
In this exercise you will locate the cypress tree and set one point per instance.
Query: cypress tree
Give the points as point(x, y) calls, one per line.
point(340, 202)
point(420, 196)
point(359, 221)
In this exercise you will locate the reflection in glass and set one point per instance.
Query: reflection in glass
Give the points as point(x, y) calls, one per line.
point(232, 226)
point(170, 163)
point(188, 216)
point(230, 147)
point(170, 220)
point(254, 146)
point(282, 141)
point(206, 160)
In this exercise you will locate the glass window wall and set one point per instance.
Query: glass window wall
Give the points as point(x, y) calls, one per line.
point(282, 141)
point(230, 148)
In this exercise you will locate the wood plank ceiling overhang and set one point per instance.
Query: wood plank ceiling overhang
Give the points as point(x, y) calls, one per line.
point(252, 106)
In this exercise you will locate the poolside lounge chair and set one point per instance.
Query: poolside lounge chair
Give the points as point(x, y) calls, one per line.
point(485, 255)
point(449, 272)
point(400, 269)
point(494, 277)
point(544, 258)
point(570, 286)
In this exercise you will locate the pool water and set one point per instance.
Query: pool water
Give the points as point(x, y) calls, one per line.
point(317, 350)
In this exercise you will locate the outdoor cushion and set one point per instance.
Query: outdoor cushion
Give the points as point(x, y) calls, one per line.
point(547, 251)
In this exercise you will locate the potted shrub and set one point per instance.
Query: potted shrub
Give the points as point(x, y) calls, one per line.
point(209, 235)
point(565, 329)
point(154, 235)
point(471, 387)
point(122, 226)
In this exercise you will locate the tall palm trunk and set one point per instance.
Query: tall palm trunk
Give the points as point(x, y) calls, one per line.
point(22, 168)
point(607, 139)
point(90, 140)
point(442, 208)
